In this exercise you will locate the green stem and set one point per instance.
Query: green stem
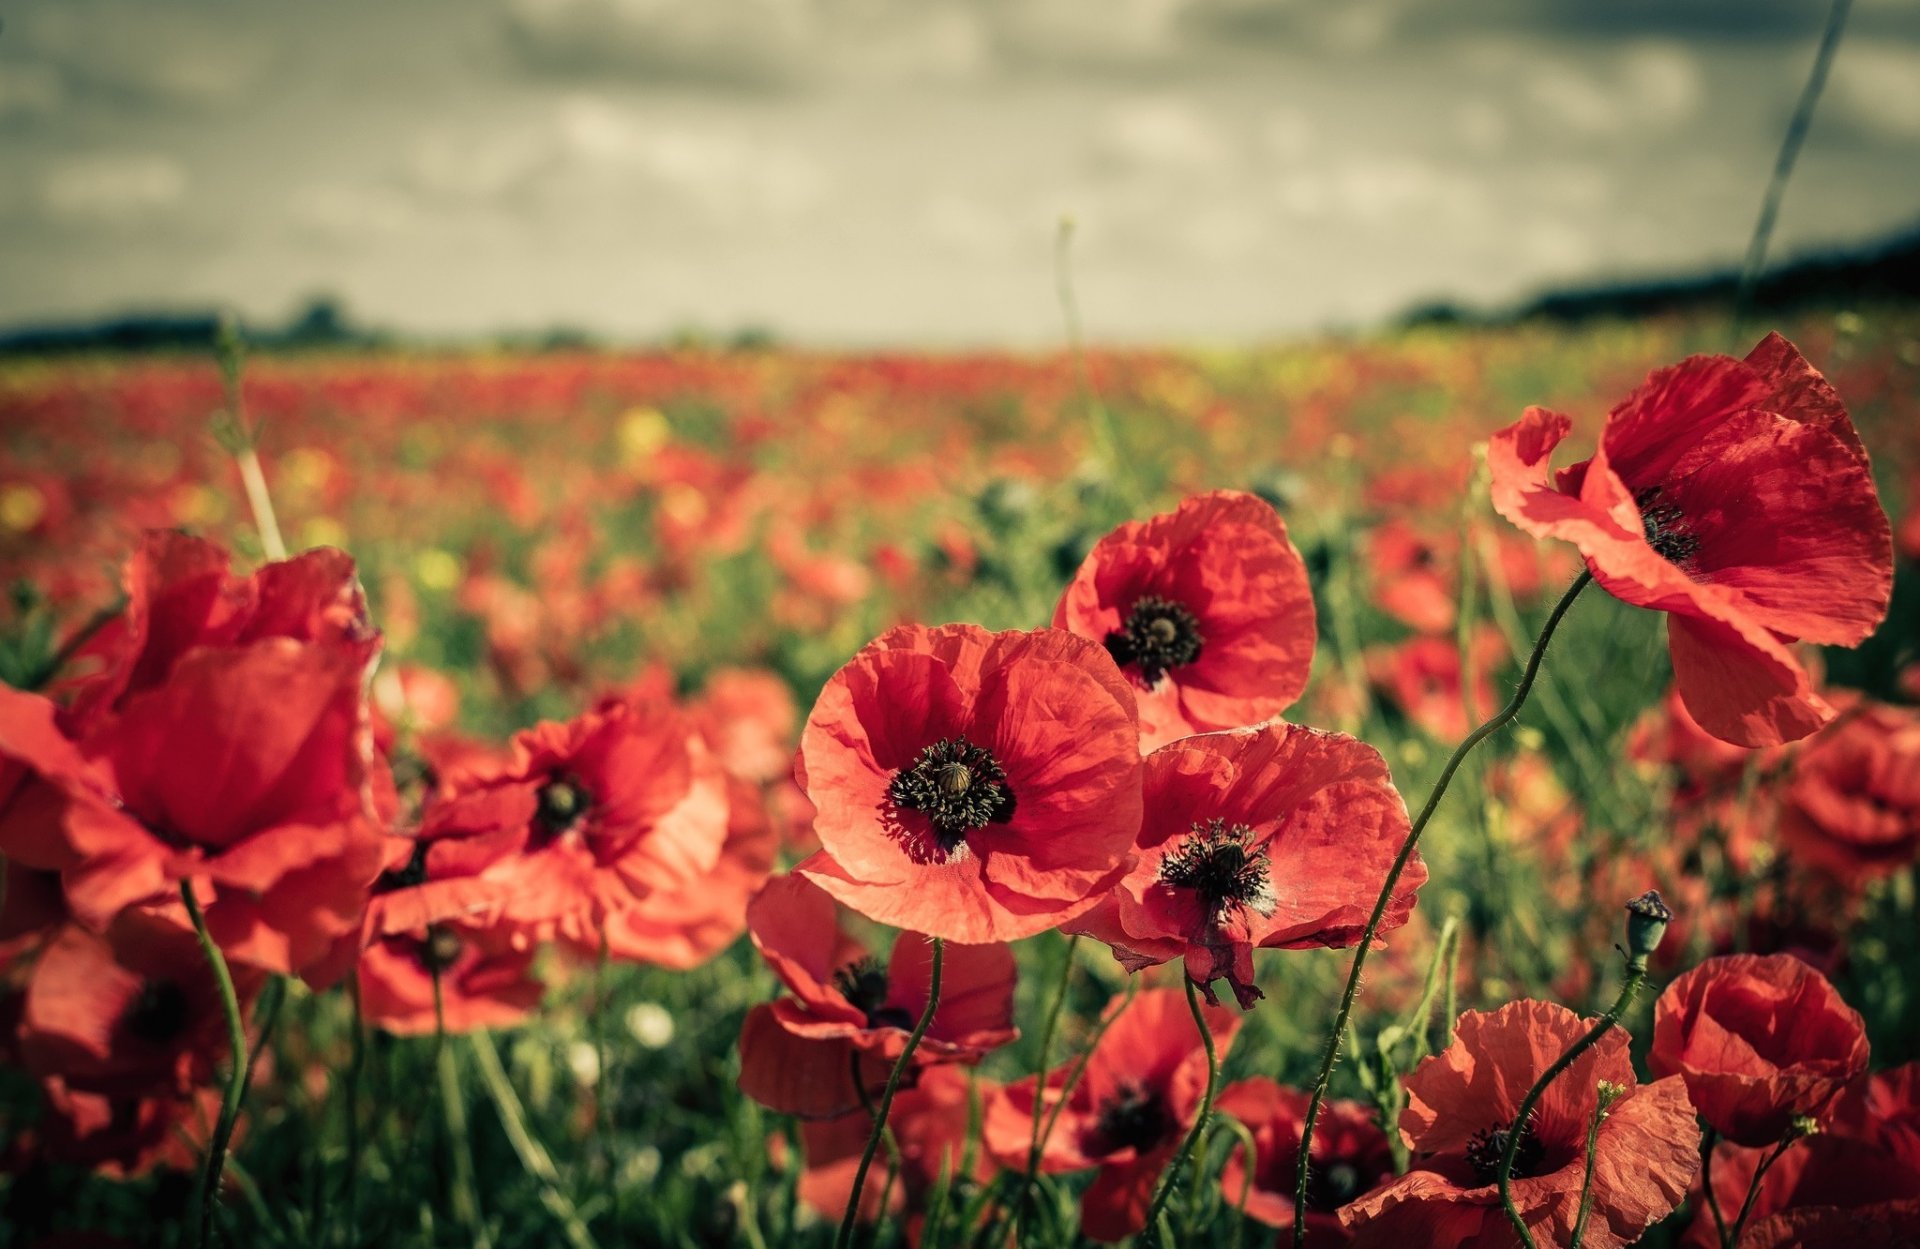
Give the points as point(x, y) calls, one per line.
point(236, 1089)
point(466, 1189)
point(844, 1240)
point(1586, 1178)
point(1040, 1079)
point(533, 1156)
point(1753, 1191)
point(1332, 1051)
point(1179, 1160)
point(1636, 972)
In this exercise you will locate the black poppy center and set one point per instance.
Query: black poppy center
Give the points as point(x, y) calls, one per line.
point(1333, 1186)
point(1665, 527)
point(1133, 1117)
point(561, 804)
point(440, 950)
point(158, 1013)
point(1158, 634)
point(412, 872)
point(1220, 863)
point(958, 786)
point(864, 985)
point(1489, 1144)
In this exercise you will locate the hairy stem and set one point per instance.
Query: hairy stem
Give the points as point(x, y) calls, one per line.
point(1205, 1112)
point(1331, 1052)
point(1636, 972)
point(847, 1224)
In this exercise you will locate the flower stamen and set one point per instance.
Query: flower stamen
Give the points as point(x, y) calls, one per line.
point(1221, 864)
point(958, 786)
point(1158, 635)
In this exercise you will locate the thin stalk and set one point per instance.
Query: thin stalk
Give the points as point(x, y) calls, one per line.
point(533, 1156)
point(1040, 1078)
point(1332, 1051)
point(236, 1089)
point(1586, 1178)
point(1199, 1120)
point(254, 481)
point(844, 1239)
point(1636, 973)
point(466, 1189)
point(1753, 1192)
point(356, 1065)
point(1249, 1159)
point(1790, 145)
point(1392, 879)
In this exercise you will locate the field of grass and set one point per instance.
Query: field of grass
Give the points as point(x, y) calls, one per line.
point(534, 531)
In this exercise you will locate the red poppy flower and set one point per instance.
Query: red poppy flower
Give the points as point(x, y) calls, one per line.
point(1852, 806)
point(1461, 1106)
point(931, 1122)
point(749, 719)
point(586, 819)
point(1351, 1156)
point(182, 594)
point(1275, 837)
point(485, 973)
point(1760, 1040)
point(1206, 609)
point(1413, 580)
point(1127, 1115)
point(244, 772)
point(123, 1136)
point(1827, 1170)
point(1883, 1110)
point(843, 1001)
point(685, 926)
point(971, 785)
point(133, 1013)
point(1888, 1225)
point(1735, 496)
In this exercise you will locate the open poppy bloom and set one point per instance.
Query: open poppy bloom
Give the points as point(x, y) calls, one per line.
point(1128, 1114)
point(1276, 837)
point(1206, 609)
point(1460, 1110)
point(1827, 1170)
point(242, 772)
point(1760, 1040)
point(1350, 1157)
point(1852, 807)
point(1423, 676)
point(132, 1013)
point(182, 594)
point(586, 818)
point(931, 1122)
point(1735, 496)
point(123, 1136)
point(485, 975)
point(972, 785)
point(844, 1002)
point(685, 926)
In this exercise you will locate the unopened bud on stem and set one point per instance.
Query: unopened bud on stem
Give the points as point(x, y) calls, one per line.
point(1647, 920)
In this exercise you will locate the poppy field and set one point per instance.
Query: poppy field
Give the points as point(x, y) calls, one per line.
point(763, 798)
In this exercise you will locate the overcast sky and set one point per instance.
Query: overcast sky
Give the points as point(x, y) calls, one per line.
point(893, 171)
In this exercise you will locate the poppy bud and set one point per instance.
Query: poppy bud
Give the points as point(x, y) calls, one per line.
point(1647, 920)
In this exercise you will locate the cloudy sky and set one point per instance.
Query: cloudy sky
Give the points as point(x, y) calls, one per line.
point(893, 171)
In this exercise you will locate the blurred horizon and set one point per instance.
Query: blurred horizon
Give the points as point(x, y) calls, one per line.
point(856, 173)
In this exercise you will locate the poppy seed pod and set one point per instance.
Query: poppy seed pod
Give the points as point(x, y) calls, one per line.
point(1647, 920)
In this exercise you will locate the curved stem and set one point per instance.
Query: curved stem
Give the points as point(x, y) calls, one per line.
point(1179, 1160)
point(1636, 972)
point(236, 1089)
point(1753, 1190)
point(852, 1218)
point(1499, 720)
point(1040, 1079)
